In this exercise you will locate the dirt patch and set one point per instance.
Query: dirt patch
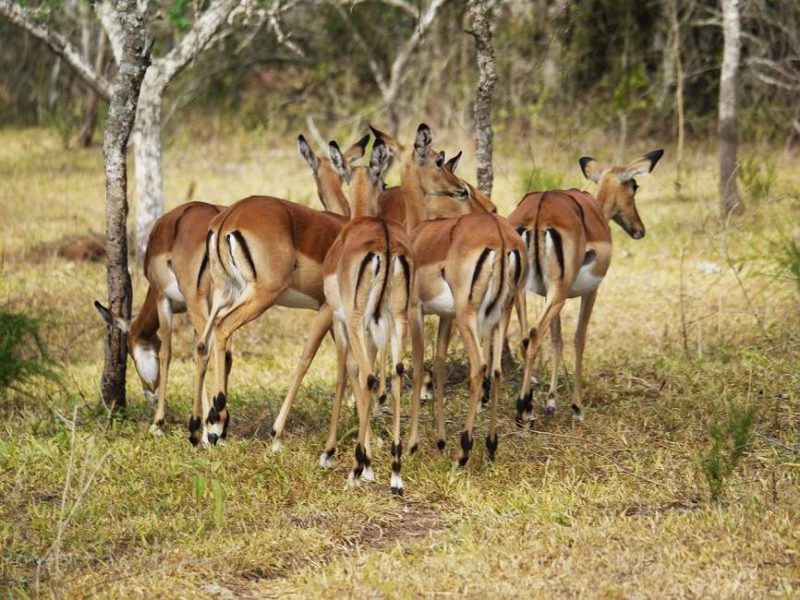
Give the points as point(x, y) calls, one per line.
point(88, 247)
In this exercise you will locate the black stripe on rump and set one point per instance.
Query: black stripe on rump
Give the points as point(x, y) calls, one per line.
point(406, 273)
point(204, 263)
point(518, 270)
point(361, 268)
point(245, 248)
point(478, 267)
point(377, 315)
point(556, 237)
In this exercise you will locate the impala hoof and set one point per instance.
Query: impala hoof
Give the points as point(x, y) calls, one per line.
point(276, 447)
point(396, 484)
point(368, 474)
point(326, 460)
point(155, 429)
point(353, 480)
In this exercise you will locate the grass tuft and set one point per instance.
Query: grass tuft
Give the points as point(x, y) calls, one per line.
point(22, 353)
point(729, 441)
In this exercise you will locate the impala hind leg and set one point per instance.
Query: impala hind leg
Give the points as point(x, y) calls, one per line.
point(553, 305)
point(165, 357)
point(478, 372)
point(439, 370)
point(326, 458)
point(587, 304)
point(498, 337)
point(245, 310)
point(557, 343)
point(416, 334)
point(319, 328)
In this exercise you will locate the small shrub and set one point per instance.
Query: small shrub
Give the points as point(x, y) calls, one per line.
point(729, 440)
point(788, 254)
point(22, 353)
point(539, 180)
point(757, 175)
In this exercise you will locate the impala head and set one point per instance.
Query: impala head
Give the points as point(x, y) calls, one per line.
point(424, 166)
point(617, 189)
point(328, 178)
point(367, 181)
point(478, 201)
point(143, 351)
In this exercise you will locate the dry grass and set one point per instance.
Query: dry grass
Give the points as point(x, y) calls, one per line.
point(616, 508)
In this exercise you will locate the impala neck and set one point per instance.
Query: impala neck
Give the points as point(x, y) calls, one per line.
point(364, 195)
point(605, 198)
point(145, 326)
point(413, 194)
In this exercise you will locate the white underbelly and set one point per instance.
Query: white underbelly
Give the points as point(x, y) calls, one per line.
point(442, 304)
point(585, 282)
point(294, 299)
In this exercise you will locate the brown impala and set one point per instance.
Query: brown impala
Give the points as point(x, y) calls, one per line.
point(569, 254)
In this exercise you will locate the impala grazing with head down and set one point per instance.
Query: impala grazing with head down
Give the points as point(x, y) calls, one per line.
point(176, 268)
point(569, 251)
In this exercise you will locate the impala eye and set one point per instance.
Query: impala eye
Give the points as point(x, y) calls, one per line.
point(634, 185)
point(440, 160)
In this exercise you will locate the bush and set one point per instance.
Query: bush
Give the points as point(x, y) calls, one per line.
point(729, 440)
point(22, 353)
point(757, 175)
point(789, 259)
point(540, 180)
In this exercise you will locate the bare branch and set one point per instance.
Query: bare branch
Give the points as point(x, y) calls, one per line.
point(60, 45)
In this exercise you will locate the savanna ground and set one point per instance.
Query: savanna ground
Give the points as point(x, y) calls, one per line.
point(694, 323)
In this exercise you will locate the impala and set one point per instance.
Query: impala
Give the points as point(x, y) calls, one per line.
point(468, 270)
point(569, 254)
point(436, 205)
point(262, 251)
point(176, 269)
point(368, 273)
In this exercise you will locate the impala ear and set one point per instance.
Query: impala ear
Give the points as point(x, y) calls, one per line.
point(338, 161)
point(452, 164)
point(641, 166)
point(591, 168)
point(395, 146)
point(423, 143)
point(308, 153)
point(355, 152)
point(379, 161)
point(111, 320)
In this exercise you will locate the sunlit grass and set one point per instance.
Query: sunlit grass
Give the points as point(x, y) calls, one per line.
point(617, 507)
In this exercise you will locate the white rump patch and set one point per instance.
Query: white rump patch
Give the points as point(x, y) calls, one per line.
point(146, 364)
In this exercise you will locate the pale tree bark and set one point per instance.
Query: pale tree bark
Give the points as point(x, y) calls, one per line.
point(119, 123)
point(487, 76)
point(726, 124)
point(147, 136)
point(390, 86)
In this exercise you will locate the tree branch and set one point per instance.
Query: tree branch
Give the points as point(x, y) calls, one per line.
point(60, 45)
point(108, 19)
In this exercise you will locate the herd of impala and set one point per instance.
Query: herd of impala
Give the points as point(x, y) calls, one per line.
point(372, 266)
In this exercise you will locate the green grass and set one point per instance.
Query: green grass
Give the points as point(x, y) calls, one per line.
point(616, 507)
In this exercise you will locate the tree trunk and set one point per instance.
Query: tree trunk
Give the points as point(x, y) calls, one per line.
point(487, 76)
point(119, 122)
point(147, 143)
point(726, 125)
